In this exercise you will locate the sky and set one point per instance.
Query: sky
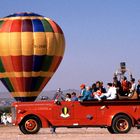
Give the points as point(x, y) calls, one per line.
point(99, 35)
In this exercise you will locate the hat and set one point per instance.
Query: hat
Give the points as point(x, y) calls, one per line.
point(82, 85)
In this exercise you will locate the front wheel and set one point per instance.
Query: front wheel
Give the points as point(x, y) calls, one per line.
point(30, 125)
point(121, 124)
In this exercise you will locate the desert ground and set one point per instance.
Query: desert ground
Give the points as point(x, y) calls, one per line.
point(13, 133)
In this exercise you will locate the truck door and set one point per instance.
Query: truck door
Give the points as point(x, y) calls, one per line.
point(76, 114)
point(63, 114)
point(86, 113)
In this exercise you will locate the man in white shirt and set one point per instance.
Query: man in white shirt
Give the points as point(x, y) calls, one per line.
point(111, 94)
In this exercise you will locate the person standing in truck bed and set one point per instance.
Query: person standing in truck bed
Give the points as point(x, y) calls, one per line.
point(125, 86)
point(59, 95)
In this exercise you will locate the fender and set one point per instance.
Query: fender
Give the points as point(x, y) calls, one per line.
point(111, 117)
point(22, 115)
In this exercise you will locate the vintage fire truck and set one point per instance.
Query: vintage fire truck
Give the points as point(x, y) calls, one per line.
point(118, 116)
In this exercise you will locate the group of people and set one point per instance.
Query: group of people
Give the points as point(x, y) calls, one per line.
point(121, 87)
point(59, 96)
point(97, 91)
point(126, 87)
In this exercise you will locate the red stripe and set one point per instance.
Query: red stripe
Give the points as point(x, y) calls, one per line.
point(22, 63)
point(7, 63)
point(55, 63)
point(16, 26)
point(17, 84)
point(25, 63)
point(55, 27)
point(6, 26)
point(17, 63)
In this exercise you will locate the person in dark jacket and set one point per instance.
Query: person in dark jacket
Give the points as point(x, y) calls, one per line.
point(74, 97)
point(138, 89)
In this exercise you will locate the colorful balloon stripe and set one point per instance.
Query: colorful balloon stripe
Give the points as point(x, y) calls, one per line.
point(26, 74)
point(26, 26)
point(47, 26)
point(1, 67)
point(25, 84)
point(27, 43)
point(29, 25)
point(16, 26)
point(24, 94)
point(7, 84)
point(29, 63)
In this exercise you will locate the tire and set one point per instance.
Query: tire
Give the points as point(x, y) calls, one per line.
point(110, 130)
point(121, 124)
point(30, 125)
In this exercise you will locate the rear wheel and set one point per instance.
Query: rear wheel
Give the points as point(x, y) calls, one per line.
point(121, 124)
point(30, 125)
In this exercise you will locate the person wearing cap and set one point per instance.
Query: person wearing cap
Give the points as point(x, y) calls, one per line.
point(83, 90)
point(87, 94)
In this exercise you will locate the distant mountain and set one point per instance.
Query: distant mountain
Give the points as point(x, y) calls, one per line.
point(5, 95)
point(6, 99)
point(49, 94)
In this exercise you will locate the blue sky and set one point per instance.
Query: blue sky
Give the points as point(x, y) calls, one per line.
point(99, 35)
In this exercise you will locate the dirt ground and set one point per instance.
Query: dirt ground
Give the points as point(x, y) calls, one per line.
point(13, 133)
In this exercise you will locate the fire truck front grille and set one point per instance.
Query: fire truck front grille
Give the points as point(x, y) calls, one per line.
point(13, 110)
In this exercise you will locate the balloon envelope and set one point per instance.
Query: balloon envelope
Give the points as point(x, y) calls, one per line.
point(31, 49)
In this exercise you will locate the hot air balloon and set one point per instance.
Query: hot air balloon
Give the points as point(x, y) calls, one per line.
point(31, 49)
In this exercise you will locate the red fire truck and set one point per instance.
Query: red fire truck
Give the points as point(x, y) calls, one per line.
point(118, 116)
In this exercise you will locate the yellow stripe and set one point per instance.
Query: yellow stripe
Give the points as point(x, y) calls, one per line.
point(32, 43)
point(55, 44)
point(25, 94)
point(22, 18)
point(26, 74)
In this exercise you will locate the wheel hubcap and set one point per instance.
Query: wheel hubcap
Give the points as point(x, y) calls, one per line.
point(31, 125)
point(122, 125)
